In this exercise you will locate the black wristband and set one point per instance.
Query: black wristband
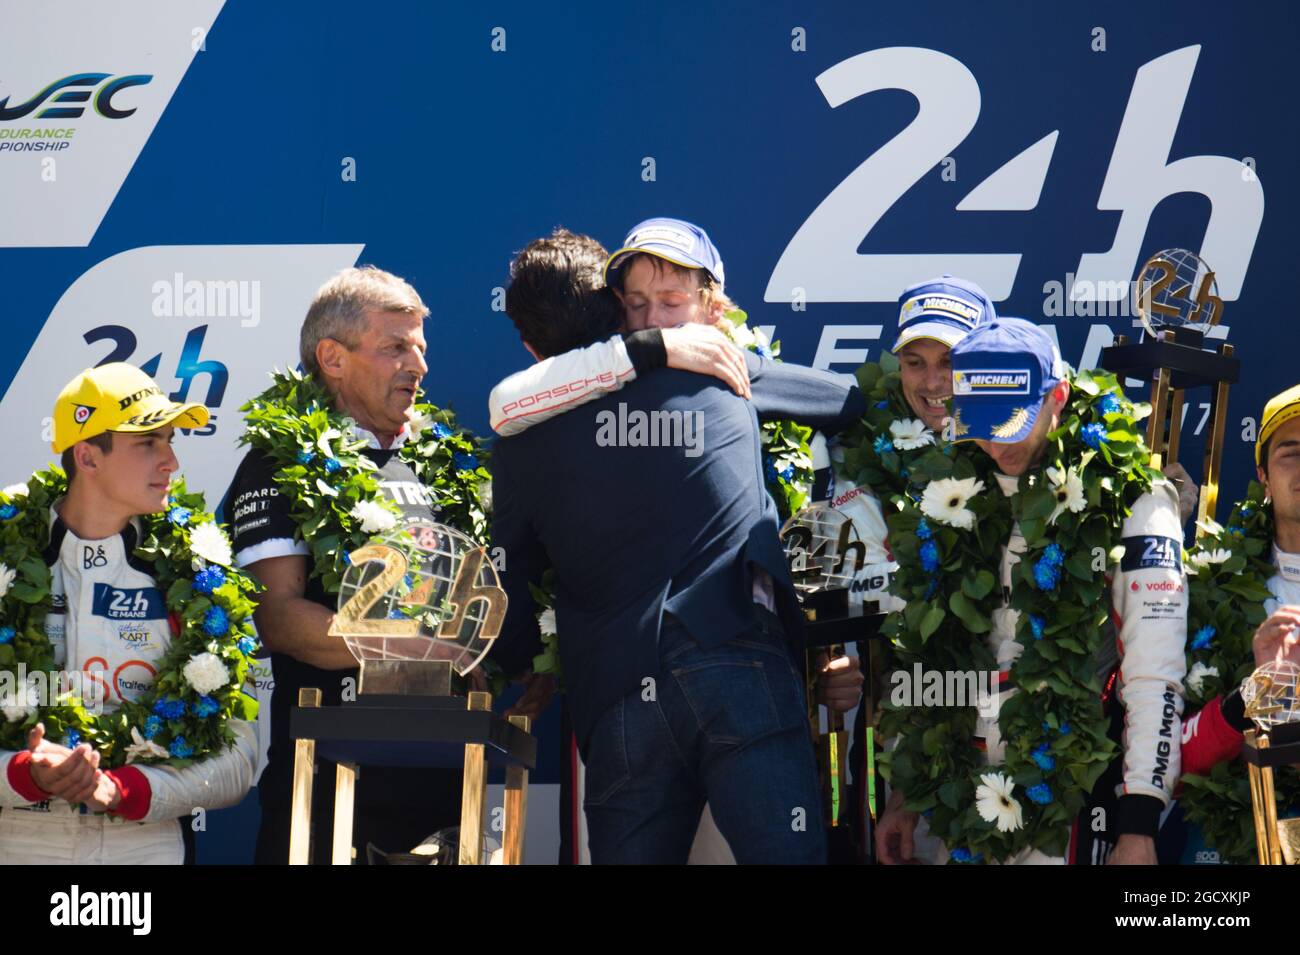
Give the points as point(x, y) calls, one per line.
point(1233, 709)
point(1138, 815)
point(646, 349)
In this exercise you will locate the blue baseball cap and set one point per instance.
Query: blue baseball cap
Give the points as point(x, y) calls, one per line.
point(672, 240)
point(943, 310)
point(1001, 372)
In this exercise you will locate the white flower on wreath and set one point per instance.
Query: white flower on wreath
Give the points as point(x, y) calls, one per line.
point(1067, 488)
point(908, 434)
point(1196, 676)
point(21, 703)
point(418, 423)
point(1204, 559)
point(945, 501)
point(994, 802)
point(206, 673)
point(546, 621)
point(742, 335)
point(7, 576)
point(15, 490)
point(142, 748)
point(374, 517)
point(323, 442)
point(1210, 526)
point(209, 542)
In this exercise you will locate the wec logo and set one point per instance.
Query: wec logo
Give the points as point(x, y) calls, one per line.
point(77, 88)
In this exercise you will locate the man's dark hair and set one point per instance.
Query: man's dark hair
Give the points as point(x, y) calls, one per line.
point(557, 296)
point(102, 441)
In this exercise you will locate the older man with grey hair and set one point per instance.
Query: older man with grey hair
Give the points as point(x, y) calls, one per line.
point(363, 340)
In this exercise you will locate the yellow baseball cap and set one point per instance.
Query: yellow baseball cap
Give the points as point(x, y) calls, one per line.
point(1279, 410)
point(116, 397)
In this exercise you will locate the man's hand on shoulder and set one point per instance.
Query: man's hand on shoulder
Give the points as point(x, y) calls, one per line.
point(704, 349)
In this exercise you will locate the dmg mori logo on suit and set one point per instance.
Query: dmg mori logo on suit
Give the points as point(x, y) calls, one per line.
point(74, 93)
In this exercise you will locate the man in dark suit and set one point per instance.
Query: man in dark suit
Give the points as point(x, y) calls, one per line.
point(650, 506)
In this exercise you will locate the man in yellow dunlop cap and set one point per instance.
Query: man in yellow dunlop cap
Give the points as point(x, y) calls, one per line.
point(1215, 733)
point(124, 638)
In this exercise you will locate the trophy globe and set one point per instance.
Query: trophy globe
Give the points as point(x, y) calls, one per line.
point(1176, 289)
point(415, 603)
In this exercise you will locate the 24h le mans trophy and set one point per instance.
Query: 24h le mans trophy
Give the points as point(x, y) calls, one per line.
point(1177, 303)
point(826, 554)
point(415, 604)
point(1270, 696)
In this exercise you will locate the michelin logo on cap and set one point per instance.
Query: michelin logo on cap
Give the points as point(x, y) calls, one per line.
point(944, 305)
point(994, 381)
point(673, 237)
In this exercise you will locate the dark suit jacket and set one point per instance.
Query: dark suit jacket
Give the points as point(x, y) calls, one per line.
point(634, 532)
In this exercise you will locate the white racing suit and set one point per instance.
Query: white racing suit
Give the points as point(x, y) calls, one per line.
point(1148, 618)
point(109, 622)
point(1214, 734)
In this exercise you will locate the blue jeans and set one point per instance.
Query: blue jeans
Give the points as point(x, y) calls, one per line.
point(727, 725)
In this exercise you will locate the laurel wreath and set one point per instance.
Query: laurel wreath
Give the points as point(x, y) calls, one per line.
point(320, 468)
point(1054, 728)
point(211, 606)
point(787, 455)
point(1227, 606)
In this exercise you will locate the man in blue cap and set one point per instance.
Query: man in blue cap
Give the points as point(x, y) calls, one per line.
point(676, 584)
point(1009, 390)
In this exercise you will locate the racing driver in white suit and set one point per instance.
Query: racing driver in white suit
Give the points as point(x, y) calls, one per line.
point(109, 623)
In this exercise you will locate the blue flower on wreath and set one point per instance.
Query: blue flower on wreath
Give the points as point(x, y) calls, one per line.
point(882, 405)
point(1246, 512)
point(71, 739)
point(441, 431)
point(7, 635)
point(464, 461)
point(8, 512)
point(763, 351)
point(169, 708)
point(332, 464)
point(205, 707)
point(180, 516)
point(1042, 758)
point(347, 559)
point(1065, 729)
point(216, 622)
point(247, 646)
point(1040, 794)
point(1053, 554)
point(1046, 574)
point(1237, 529)
point(923, 531)
point(306, 457)
point(1110, 403)
point(903, 473)
point(1093, 435)
point(180, 749)
point(930, 589)
point(787, 473)
point(152, 727)
point(1202, 638)
point(929, 557)
point(209, 579)
point(1036, 624)
point(882, 445)
point(965, 856)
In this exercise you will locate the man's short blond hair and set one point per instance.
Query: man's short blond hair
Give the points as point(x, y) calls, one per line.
point(339, 309)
